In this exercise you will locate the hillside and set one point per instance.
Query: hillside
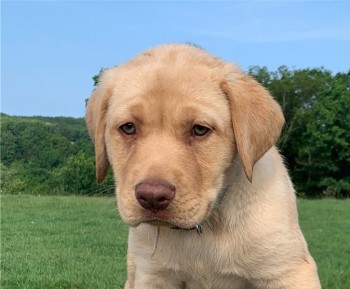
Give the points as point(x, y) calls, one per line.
point(46, 155)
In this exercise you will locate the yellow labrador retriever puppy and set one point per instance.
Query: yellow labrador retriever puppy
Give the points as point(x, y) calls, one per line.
point(205, 192)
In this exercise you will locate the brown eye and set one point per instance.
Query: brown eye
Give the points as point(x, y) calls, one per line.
point(128, 128)
point(200, 130)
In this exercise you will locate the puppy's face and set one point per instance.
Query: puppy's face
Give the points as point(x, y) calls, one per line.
point(169, 128)
point(164, 122)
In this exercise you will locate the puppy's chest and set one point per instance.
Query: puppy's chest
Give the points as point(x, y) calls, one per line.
point(200, 269)
point(198, 260)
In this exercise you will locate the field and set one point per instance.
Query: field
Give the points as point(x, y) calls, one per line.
point(80, 242)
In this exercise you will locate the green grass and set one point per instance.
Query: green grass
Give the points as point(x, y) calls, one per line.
point(80, 242)
point(326, 226)
point(61, 242)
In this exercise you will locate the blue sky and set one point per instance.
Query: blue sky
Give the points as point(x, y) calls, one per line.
point(51, 49)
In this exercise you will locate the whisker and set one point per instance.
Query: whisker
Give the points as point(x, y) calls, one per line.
point(101, 191)
point(209, 225)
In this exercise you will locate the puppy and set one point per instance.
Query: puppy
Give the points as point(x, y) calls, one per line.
point(209, 202)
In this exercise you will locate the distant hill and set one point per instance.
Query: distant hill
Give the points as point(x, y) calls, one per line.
point(46, 155)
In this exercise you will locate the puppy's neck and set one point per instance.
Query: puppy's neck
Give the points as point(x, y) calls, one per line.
point(235, 201)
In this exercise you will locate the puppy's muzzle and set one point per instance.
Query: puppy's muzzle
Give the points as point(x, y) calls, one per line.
point(154, 195)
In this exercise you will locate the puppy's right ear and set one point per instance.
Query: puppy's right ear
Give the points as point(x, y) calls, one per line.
point(96, 122)
point(257, 119)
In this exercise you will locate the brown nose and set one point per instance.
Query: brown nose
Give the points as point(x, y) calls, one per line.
point(154, 195)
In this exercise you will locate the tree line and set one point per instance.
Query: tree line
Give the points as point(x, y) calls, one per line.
point(44, 155)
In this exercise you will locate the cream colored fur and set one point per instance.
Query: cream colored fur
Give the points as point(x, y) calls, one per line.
point(232, 180)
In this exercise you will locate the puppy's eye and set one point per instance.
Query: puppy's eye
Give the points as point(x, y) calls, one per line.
point(199, 130)
point(128, 128)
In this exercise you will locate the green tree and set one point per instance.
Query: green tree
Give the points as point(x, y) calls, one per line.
point(323, 161)
point(315, 137)
point(78, 176)
point(33, 149)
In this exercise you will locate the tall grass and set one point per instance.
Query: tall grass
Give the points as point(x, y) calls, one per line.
point(80, 242)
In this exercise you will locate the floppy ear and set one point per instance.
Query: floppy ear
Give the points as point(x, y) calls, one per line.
point(96, 122)
point(257, 118)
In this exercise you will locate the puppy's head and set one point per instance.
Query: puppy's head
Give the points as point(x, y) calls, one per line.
point(170, 123)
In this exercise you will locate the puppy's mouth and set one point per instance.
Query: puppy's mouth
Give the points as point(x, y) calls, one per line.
point(162, 223)
point(175, 226)
point(198, 228)
point(165, 219)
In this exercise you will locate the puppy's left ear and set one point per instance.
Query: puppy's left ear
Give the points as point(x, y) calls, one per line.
point(96, 122)
point(257, 118)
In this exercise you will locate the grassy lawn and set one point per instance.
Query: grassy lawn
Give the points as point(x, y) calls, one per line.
point(326, 226)
point(61, 242)
point(80, 242)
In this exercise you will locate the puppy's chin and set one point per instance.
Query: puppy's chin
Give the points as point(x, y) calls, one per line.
point(159, 223)
point(167, 219)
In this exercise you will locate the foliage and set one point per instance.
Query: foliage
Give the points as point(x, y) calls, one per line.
point(96, 77)
point(325, 155)
point(47, 155)
point(78, 175)
point(316, 138)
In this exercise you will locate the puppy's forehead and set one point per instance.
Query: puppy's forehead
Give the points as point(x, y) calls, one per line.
point(164, 84)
